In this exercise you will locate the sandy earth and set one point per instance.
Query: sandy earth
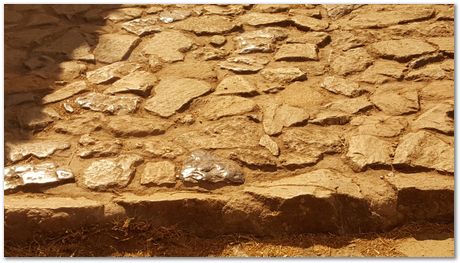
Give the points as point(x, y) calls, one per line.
point(339, 118)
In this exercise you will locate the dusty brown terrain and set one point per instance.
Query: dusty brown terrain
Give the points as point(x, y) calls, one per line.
point(332, 119)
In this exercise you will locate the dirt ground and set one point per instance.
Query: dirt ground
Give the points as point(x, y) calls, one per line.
point(326, 118)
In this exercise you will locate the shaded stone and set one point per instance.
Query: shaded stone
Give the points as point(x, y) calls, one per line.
point(342, 86)
point(424, 149)
point(424, 60)
point(33, 117)
point(46, 173)
point(320, 39)
point(72, 44)
point(78, 125)
point(111, 72)
point(309, 23)
point(261, 19)
point(445, 44)
point(138, 82)
point(270, 144)
point(136, 126)
point(351, 106)
point(217, 40)
point(205, 166)
point(207, 25)
point(401, 50)
point(110, 173)
point(383, 71)
point(429, 72)
point(159, 173)
point(297, 52)
point(223, 106)
point(440, 117)
point(42, 19)
point(367, 150)
point(93, 148)
point(235, 85)
point(402, 14)
point(174, 15)
point(170, 46)
point(18, 98)
point(173, 93)
point(227, 133)
point(69, 10)
point(278, 116)
point(331, 117)
point(259, 40)
point(352, 61)
point(396, 100)
point(306, 146)
point(114, 47)
point(381, 126)
point(21, 150)
point(65, 92)
point(244, 64)
point(123, 14)
point(108, 104)
point(207, 53)
point(163, 148)
point(142, 26)
point(283, 75)
point(256, 158)
point(339, 10)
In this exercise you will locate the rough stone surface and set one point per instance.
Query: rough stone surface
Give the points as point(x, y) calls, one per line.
point(135, 126)
point(111, 72)
point(110, 173)
point(297, 52)
point(170, 46)
point(223, 106)
point(270, 144)
point(440, 117)
point(352, 61)
point(207, 25)
point(383, 71)
point(92, 148)
point(65, 92)
point(342, 86)
point(381, 126)
point(159, 173)
point(79, 125)
point(41, 149)
point(174, 15)
point(401, 50)
point(391, 17)
point(142, 26)
point(114, 47)
point(262, 40)
point(261, 19)
point(309, 23)
point(139, 82)
point(283, 75)
point(424, 149)
point(109, 104)
point(278, 116)
point(244, 64)
point(396, 101)
point(173, 94)
point(235, 85)
point(163, 149)
point(367, 150)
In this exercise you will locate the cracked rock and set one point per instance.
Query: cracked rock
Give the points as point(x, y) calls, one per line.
point(110, 173)
point(391, 17)
point(159, 173)
point(309, 23)
point(396, 100)
point(270, 144)
point(383, 71)
point(66, 45)
point(440, 117)
point(263, 19)
point(235, 85)
point(174, 15)
point(170, 46)
point(342, 86)
point(114, 47)
point(243, 64)
point(138, 82)
point(40, 149)
point(223, 106)
point(108, 104)
point(253, 157)
point(65, 92)
point(92, 148)
point(162, 148)
point(78, 125)
point(173, 93)
point(111, 72)
point(136, 126)
point(283, 75)
point(297, 52)
point(367, 150)
point(207, 25)
point(381, 126)
point(142, 26)
point(278, 116)
point(401, 50)
point(260, 40)
point(352, 61)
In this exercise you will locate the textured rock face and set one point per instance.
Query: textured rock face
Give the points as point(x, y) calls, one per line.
point(135, 126)
point(223, 106)
point(114, 47)
point(108, 103)
point(20, 150)
point(342, 86)
point(396, 101)
point(365, 150)
point(142, 26)
point(111, 72)
point(65, 92)
point(159, 173)
point(260, 40)
point(173, 94)
point(112, 173)
point(439, 117)
point(352, 61)
point(207, 25)
point(168, 45)
point(139, 82)
point(391, 17)
point(297, 52)
point(235, 85)
point(402, 50)
point(278, 116)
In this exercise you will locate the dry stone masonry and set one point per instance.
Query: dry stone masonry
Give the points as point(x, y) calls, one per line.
point(256, 118)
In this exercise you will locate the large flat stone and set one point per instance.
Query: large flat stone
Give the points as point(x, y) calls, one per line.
point(207, 25)
point(143, 26)
point(138, 82)
point(111, 72)
point(352, 61)
point(297, 52)
point(244, 64)
point(235, 85)
point(262, 40)
point(342, 86)
point(396, 100)
point(170, 46)
point(380, 126)
point(440, 117)
point(113, 104)
point(41, 149)
point(401, 50)
point(65, 92)
point(263, 19)
point(137, 126)
point(367, 150)
point(114, 47)
point(159, 173)
point(223, 106)
point(400, 14)
point(276, 117)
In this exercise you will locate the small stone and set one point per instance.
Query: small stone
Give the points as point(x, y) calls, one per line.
point(253, 158)
point(108, 103)
point(217, 40)
point(350, 106)
point(163, 149)
point(270, 144)
point(174, 15)
point(243, 64)
point(445, 44)
point(367, 150)
point(352, 61)
point(41, 149)
point(383, 71)
point(283, 75)
point(331, 117)
point(78, 125)
point(142, 26)
point(424, 149)
point(114, 47)
point(111, 72)
point(339, 10)
point(96, 148)
point(309, 23)
point(207, 25)
point(123, 14)
point(66, 45)
point(297, 52)
point(39, 174)
point(401, 50)
point(65, 92)
point(235, 85)
point(320, 39)
point(138, 82)
point(440, 118)
point(136, 126)
point(33, 117)
point(427, 73)
point(205, 166)
point(170, 46)
point(207, 53)
point(278, 116)
point(381, 126)
point(260, 40)
point(110, 173)
point(261, 19)
point(186, 119)
point(223, 106)
point(159, 173)
point(396, 101)
point(173, 93)
point(154, 9)
point(342, 86)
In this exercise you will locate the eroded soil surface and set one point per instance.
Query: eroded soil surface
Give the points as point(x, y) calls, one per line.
point(339, 118)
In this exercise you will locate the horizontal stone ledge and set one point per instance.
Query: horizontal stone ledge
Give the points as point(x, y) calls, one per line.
point(318, 201)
